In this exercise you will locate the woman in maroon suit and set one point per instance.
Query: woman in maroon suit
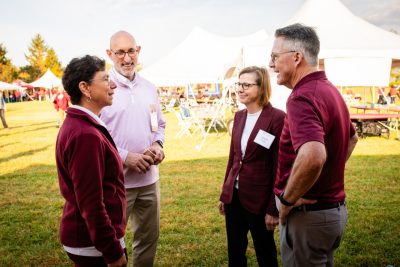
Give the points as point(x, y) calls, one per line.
point(90, 171)
point(247, 198)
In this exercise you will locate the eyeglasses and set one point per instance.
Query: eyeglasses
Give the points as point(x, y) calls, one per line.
point(275, 56)
point(245, 86)
point(104, 79)
point(131, 52)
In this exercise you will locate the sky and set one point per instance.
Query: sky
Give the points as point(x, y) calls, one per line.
point(78, 27)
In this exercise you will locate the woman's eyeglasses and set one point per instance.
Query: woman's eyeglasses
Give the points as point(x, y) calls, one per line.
point(105, 79)
point(245, 86)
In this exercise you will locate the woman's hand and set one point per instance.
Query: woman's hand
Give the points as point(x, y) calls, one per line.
point(271, 222)
point(221, 208)
point(121, 262)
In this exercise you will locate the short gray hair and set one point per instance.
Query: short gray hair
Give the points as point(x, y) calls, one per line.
point(303, 39)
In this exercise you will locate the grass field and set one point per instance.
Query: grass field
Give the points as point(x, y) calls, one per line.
point(192, 231)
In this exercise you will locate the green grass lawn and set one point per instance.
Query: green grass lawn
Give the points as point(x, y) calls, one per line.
point(192, 231)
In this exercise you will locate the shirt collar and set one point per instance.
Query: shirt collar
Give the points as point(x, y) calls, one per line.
point(121, 80)
point(309, 77)
point(91, 114)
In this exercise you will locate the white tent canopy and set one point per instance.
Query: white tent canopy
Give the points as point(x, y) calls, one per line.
point(9, 86)
point(357, 53)
point(202, 57)
point(343, 34)
point(48, 80)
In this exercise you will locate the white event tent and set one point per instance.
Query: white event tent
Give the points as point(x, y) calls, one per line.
point(9, 86)
point(355, 52)
point(48, 81)
point(202, 57)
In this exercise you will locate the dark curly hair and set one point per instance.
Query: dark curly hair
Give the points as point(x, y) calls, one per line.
point(80, 70)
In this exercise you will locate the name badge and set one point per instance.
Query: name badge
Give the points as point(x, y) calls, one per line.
point(153, 118)
point(264, 139)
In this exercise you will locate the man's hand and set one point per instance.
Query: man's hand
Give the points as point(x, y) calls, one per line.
point(158, 151)
point(221, 208)
point(140, 163)
point(271, 222)
point(121, 262)
point(284, 210)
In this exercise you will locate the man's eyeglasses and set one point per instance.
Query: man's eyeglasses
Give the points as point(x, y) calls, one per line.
point(275, 56)
point(121, 53)
point(245, 86)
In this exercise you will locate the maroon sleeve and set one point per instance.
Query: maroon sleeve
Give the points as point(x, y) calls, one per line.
point(304, 122)
point(352, 130)
point(276, 130)
point(86, 167)
point(230, 160)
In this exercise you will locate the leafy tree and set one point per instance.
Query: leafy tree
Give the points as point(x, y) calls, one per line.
point(29, 73)
point(37, 57)
point(3, 52)
point(8, 72)
point(53, 63)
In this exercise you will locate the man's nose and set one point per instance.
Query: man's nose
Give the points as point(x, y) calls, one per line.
point(127, 57)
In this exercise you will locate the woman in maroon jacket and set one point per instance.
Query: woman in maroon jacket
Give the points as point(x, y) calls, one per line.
point(247, 198)
point(90, 171)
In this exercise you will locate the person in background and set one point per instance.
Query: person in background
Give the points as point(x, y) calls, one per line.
point(90, 171)
point(137, 126)
point(201, 97)
point(317, 139)
point(392, 94)
point(61, 103)
point(2, 110)
point(17, 96)
point(247, 198)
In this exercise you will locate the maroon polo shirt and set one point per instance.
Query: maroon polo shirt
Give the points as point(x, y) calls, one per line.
point(316, 112)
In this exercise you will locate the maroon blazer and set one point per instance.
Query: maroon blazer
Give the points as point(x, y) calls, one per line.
point(257, 168)
point(92, 183)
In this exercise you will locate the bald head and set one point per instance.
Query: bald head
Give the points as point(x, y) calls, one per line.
point(121, 37)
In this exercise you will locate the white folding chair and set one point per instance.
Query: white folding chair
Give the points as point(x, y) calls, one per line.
point(189, 117)
point(184, 125)
point(170, 106)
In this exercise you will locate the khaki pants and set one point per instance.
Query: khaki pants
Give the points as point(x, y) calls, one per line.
point(143, 208)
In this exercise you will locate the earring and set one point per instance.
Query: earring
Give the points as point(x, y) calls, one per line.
point(89, 99)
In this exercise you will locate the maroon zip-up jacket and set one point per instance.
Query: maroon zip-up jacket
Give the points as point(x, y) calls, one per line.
point(91, 181)
point(258, 167)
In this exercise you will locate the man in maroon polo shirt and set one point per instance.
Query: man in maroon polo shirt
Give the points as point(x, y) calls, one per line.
point(316, 141)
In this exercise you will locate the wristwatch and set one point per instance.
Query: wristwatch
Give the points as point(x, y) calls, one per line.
point(160, 143)
point(284, 201)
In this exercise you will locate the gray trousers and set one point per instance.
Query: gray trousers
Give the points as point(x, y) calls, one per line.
point(143, 208)
point(3, 118)
point(309, 238)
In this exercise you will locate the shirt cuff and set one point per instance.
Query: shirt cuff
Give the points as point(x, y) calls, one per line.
point(123, 154)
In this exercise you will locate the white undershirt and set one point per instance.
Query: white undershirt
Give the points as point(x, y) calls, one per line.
point(248, 128)
point(91, 114)
point(89, 251)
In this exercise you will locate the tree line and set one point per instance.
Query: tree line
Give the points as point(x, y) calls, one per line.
point(40, 57)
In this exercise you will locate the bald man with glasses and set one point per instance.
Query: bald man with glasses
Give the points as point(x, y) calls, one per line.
point(137, 126)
